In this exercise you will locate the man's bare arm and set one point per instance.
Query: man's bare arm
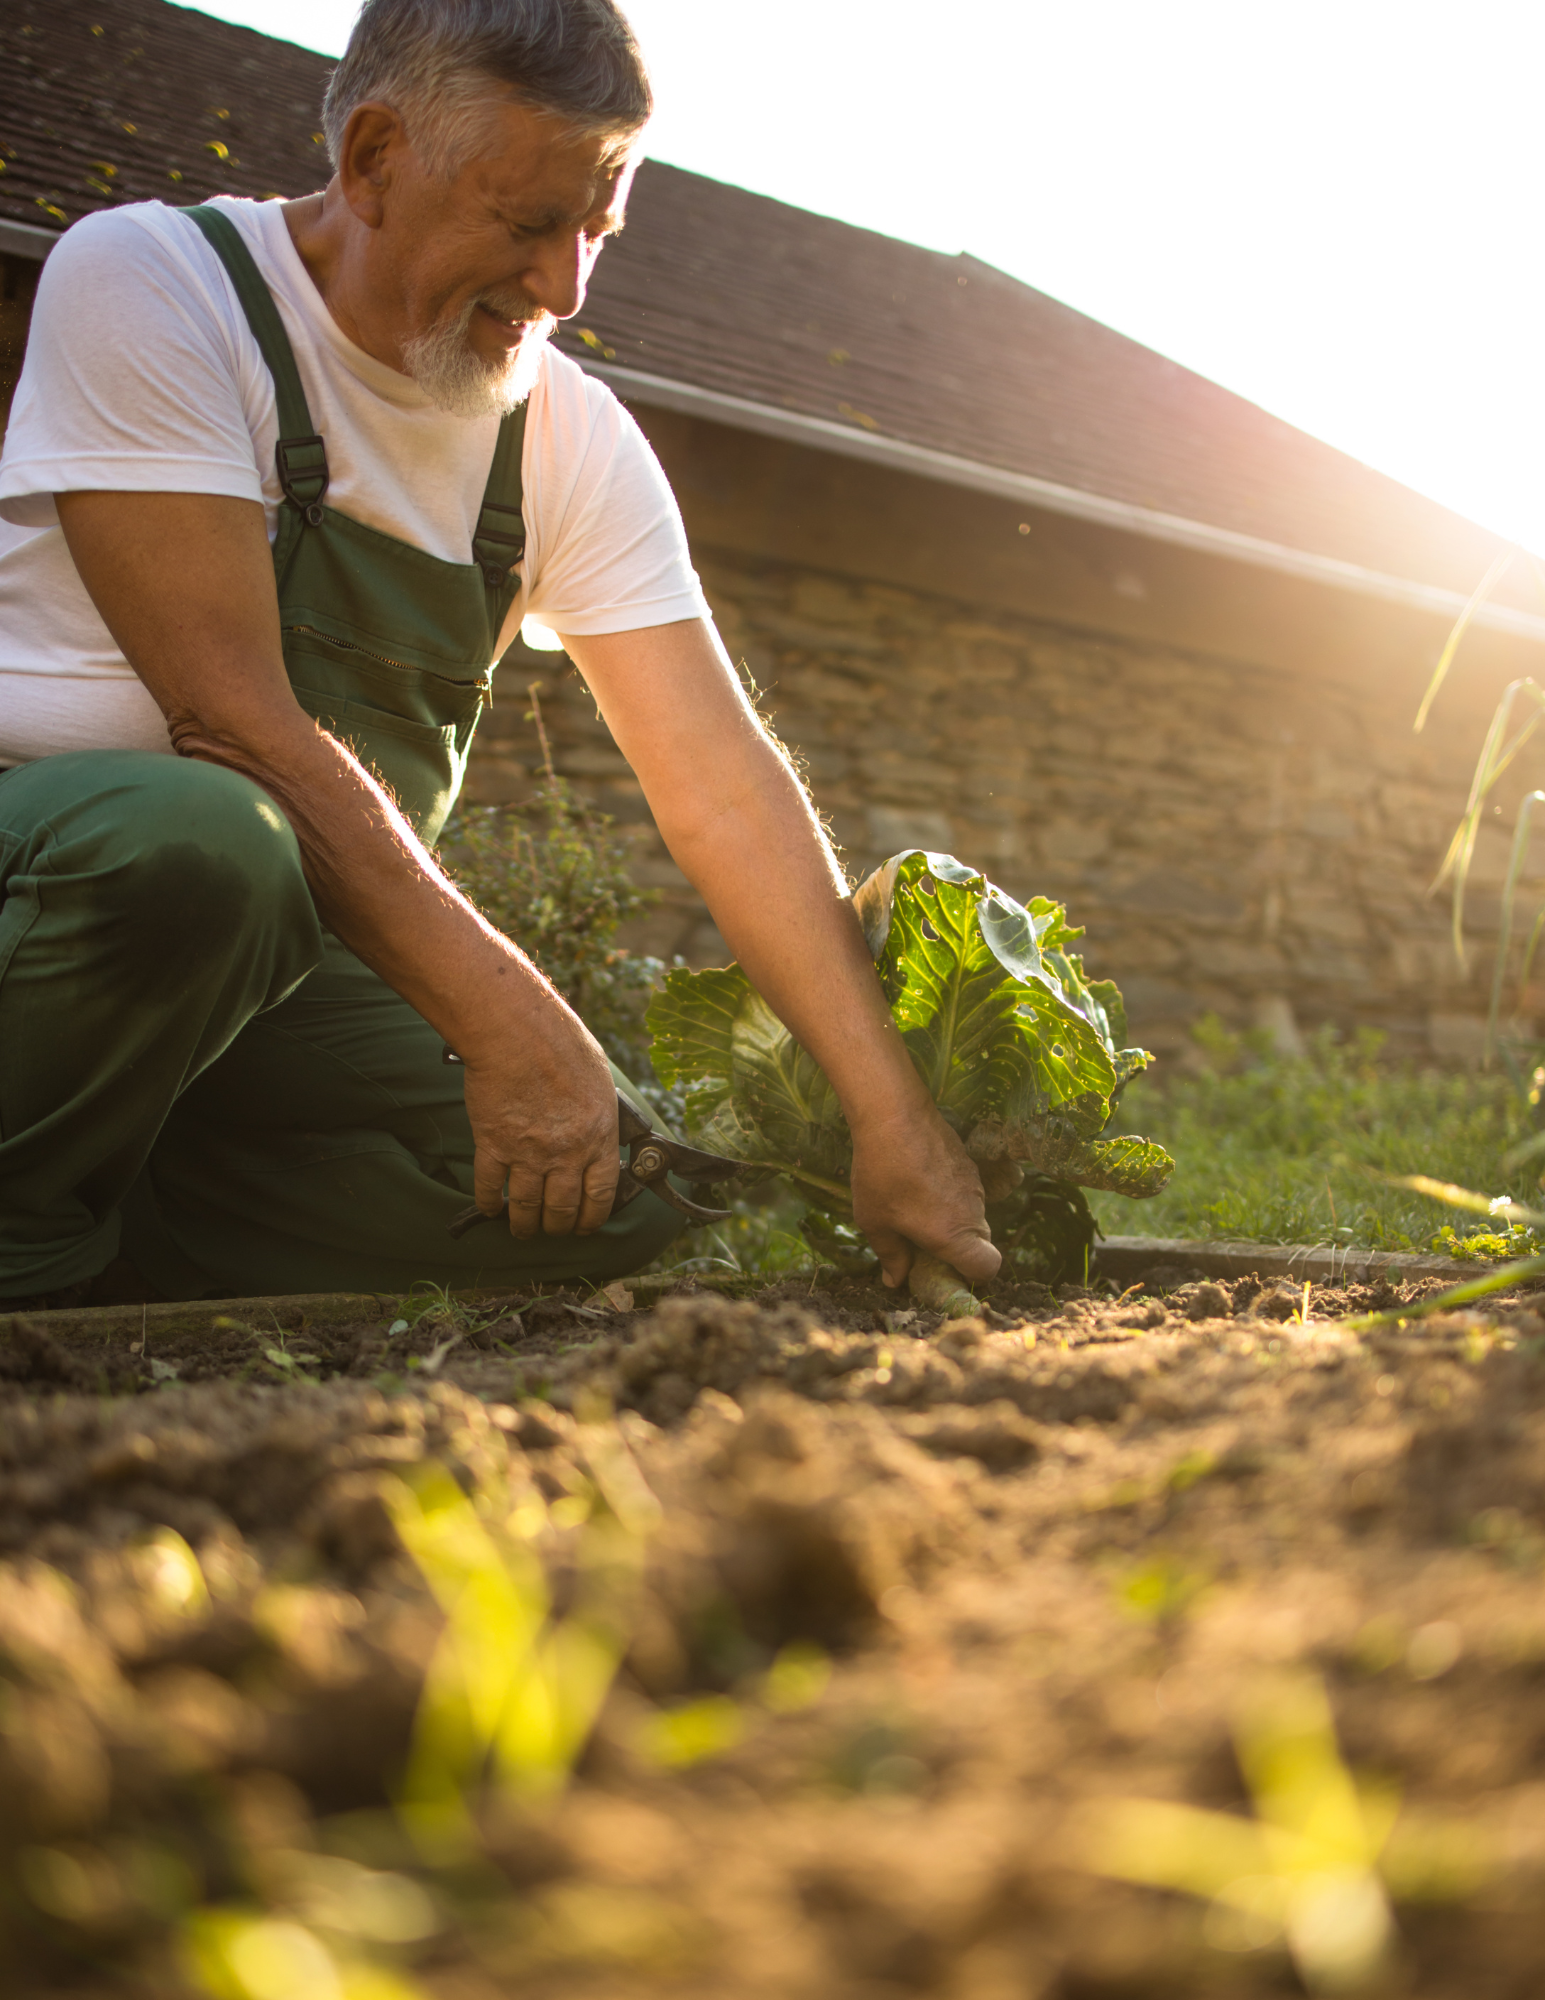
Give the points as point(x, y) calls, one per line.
point(739, 825)
point(184, 582)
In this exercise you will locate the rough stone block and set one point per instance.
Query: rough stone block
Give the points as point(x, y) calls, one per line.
point(1072, 841)
point(892, 828)
point(824, 601)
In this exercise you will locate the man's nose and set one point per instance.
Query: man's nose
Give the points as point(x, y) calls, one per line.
point(558, 275)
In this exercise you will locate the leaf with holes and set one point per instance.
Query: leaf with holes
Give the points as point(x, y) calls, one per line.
point(751, 1091)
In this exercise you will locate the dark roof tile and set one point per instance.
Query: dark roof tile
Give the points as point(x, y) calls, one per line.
point(148, 90)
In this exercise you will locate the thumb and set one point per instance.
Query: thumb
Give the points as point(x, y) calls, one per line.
point(972, 1253)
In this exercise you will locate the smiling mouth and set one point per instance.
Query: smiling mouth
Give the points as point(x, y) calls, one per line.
point(520, 325)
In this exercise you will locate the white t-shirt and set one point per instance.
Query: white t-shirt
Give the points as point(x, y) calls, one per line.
point(143, 375)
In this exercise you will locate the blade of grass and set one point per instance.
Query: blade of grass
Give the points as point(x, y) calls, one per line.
point(1482, 591)
point(1496, 754)
point(1459, 1197)
point(1521, 831)
point(1520, 1155)
point(1530, 949)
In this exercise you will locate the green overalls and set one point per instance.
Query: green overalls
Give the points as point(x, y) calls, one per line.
point(191, 1068)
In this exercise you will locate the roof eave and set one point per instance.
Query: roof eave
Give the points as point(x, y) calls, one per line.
point(663, 392)
point(26, 239)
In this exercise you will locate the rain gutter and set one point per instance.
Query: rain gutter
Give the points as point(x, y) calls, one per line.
point(27, 239)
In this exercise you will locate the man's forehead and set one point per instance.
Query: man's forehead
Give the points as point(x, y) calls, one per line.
point(564, 188)
point(532, 210)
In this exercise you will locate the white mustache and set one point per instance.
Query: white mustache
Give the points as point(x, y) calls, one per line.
point(523, 311)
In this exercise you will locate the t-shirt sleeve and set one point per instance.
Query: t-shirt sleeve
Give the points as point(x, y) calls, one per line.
point(131, 381)
point(611, 549)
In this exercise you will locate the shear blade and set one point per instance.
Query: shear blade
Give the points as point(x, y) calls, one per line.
point(693, 1165)
point(691, 1209)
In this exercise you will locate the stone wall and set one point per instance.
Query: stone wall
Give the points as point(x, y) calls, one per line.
point(1235, 839)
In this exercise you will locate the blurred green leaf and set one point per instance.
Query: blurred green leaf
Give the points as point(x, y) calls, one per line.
point(678, 1737)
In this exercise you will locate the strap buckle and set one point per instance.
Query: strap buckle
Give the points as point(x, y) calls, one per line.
point(303, 475)
point(498, 542)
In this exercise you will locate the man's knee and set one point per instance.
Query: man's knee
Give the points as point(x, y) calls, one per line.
point(232, 820)
point(204, 857)
point(163, 862)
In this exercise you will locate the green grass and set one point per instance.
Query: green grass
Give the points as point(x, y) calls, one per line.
point(1278, 1151)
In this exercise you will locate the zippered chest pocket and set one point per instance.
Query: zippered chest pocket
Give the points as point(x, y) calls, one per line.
point(412, 728)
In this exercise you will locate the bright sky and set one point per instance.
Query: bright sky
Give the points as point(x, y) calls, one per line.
point(1332, 207)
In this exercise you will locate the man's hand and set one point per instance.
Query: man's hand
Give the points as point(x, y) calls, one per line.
point(544, 1116)
point(914, 1188)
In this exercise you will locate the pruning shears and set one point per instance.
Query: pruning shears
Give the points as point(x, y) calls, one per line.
point(651, 1158)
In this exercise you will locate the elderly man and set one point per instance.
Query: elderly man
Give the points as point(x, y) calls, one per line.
point(282, 480)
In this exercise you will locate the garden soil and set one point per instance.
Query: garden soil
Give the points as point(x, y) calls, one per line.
point(918, 1611)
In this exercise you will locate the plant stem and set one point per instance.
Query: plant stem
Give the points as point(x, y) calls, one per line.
point(838, 1188)
point(541, 732)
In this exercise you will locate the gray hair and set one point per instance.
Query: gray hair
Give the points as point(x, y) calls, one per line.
point(441, 63)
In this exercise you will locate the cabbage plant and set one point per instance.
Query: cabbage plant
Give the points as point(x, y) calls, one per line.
point(1022, 1053)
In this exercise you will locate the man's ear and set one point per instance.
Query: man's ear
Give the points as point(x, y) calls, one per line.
point(374, 143)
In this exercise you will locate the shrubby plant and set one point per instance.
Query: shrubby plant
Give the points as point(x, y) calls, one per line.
point(554, 875)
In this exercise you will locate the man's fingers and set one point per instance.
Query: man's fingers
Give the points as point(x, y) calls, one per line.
point(526, 1201)
point(563, 1196)
point(551, 1204)
point(895, 1254)
point(487, 1181)
point(600, 1193)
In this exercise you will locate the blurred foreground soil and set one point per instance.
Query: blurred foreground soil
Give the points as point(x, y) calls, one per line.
point(920, 1601)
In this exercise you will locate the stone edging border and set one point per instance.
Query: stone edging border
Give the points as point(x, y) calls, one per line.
point(1122, 1258)
point(1128, 1258)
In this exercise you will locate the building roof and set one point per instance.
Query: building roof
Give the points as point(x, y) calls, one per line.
point(108, 101)
point(759, 314)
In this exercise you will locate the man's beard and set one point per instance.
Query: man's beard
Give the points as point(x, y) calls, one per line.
point(451, 372)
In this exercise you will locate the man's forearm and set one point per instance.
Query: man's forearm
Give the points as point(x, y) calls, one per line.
point(185, 584)
point(738, 823)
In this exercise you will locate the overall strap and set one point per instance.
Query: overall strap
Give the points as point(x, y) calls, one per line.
point(499, 540)
point(300, 455)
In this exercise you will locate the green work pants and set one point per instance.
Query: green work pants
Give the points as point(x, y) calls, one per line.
point(194, 1073)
